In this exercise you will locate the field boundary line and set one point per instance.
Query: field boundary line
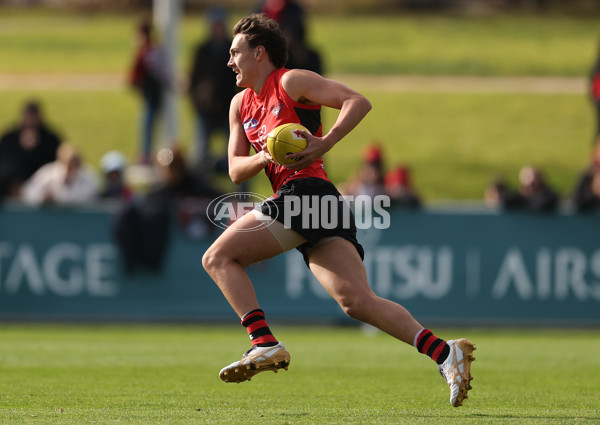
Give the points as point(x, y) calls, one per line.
point(372, 83)
point(63, 81)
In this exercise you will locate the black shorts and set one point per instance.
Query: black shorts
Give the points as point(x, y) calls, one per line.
point(315, 209)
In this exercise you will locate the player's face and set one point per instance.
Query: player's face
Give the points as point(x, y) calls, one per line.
point(242, 60)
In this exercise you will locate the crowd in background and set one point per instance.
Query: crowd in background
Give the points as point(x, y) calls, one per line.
point(534, 193)
point(38, 167)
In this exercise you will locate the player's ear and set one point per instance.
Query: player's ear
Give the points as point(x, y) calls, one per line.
point(259, 51)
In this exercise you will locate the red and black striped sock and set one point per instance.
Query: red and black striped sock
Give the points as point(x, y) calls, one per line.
point(436, 348)
point(258, 330)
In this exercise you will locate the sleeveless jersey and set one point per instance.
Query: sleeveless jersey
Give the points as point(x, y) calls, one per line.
point(260, 113)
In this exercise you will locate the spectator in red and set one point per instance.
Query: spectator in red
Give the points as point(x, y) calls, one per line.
point(398, 186)
point(369, 178)
point(288, 14)
point(149, 76)
point(595, 94)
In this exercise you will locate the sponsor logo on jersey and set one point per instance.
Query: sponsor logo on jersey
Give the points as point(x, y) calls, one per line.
point(250, 124)
point(276, 109)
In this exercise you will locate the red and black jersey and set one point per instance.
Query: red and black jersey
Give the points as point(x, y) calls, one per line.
point(595, 86)
point(139, 69)
point(261, 113)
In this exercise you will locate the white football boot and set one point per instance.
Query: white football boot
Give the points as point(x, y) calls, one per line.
point(456, 369)
point(256, 360)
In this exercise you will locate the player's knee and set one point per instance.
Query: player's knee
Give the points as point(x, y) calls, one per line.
point(211, 260)
point(354, 306)
point(207, 260)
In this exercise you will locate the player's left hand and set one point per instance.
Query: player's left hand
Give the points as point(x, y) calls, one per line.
point(315, 149)
point(266, 155)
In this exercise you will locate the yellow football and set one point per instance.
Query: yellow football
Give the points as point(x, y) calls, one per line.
point(284, 140)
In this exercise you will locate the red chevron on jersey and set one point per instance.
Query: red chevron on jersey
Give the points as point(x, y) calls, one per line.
point(262, 112)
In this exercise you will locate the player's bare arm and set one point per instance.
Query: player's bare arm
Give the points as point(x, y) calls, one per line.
point(242, 166)
point(311, 88)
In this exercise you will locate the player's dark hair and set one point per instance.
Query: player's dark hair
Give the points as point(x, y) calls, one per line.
point(263, 31)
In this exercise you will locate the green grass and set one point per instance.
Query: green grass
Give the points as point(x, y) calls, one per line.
point(95, 121)
point(455, 143)
point(137, 374)
point(434, 45)
point(44, 41)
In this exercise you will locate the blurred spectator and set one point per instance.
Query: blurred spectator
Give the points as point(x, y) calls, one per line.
point(398, 186)
point(595, 94)
point(288, 13)
point(211, 84)
point(24, 149)
point(369, 178)
point(290, 16)
point(533, 194)
point(372, 180)
point(536, 192)
point(177, 182)
point(64, 181)
point(586, 195)
point(499, 195)
point(142, 227)
point(149, 76)
point(301, 55)
point(113, 165)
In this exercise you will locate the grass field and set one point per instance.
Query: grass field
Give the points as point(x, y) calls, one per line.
point(134, 374)
point(454, 142)
point(45, 41)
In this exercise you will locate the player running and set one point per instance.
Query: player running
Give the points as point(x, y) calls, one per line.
point(274, 96)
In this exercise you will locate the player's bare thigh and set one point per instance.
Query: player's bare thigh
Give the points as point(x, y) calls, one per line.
point(339, 268)
point(255, 237)
point(247, 241)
